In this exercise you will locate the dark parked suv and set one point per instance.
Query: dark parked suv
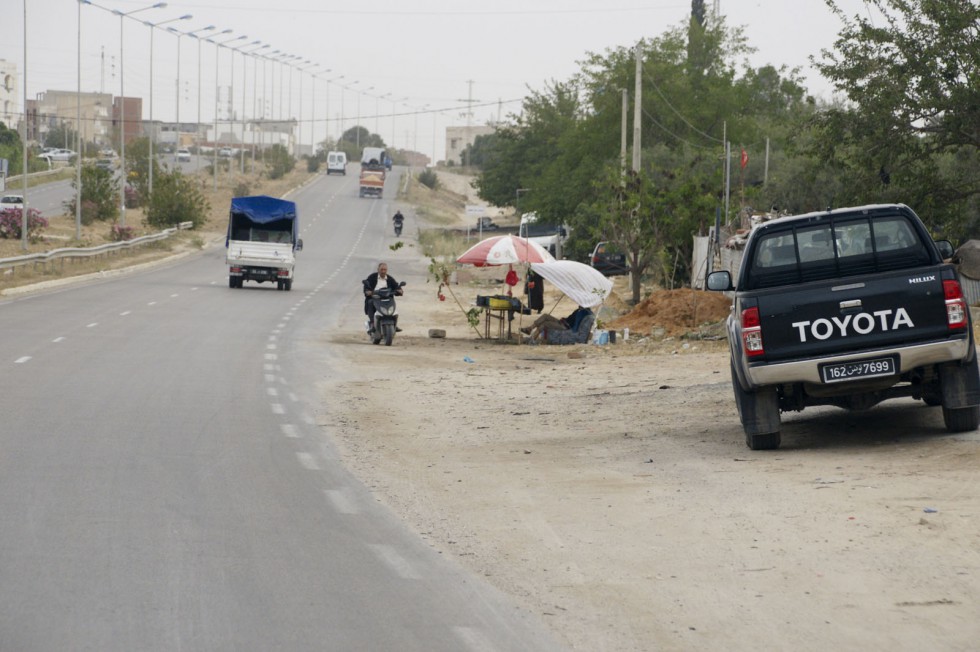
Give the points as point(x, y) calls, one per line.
point(609, 259)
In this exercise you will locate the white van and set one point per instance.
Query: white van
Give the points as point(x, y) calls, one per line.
point(337, 162)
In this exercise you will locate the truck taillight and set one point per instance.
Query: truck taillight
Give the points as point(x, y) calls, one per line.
point(955, 305)
point(752, 332)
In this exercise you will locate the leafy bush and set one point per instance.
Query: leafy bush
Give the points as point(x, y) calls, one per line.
point(121, 233)
point(241, 190)
point(11, 222)
point(429, 179)
point(279, 161)
point(176, 199)
point(100, 195)
point(312, 164)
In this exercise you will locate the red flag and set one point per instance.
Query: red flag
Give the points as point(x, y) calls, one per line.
point(745, 158)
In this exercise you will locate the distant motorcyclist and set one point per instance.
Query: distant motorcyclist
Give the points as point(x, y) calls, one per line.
point(376, 281)
point(398, 220)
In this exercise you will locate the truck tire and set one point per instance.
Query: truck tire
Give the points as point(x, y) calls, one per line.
point(231, 282)
point(389, 333)
point(961, 419)
point(288, 284)
point(759, 414)
point(960, 386)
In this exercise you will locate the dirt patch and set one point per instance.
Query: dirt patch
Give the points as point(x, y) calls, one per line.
point(675, 311)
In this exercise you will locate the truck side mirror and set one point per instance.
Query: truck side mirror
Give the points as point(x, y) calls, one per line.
point(945, 249)
point(720, 281)
point(299, 244)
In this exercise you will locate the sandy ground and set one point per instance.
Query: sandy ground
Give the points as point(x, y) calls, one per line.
point(609, 490)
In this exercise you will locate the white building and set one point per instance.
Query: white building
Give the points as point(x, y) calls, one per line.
point(10, 102)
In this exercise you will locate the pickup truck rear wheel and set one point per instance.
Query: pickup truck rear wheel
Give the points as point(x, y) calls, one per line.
point(960, 387)
point(759, 413)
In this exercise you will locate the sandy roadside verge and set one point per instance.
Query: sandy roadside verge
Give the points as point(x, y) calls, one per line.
point(608, 489)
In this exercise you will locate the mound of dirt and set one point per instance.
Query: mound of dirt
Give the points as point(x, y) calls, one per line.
point(675, 311)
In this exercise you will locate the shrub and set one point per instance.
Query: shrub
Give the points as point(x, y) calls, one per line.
point(279, 161)
point(100, 195)
point(429, 179)
point(176, 199)
point(241, 190)
point(11, 222)
point(121, 233)
point(312, 164)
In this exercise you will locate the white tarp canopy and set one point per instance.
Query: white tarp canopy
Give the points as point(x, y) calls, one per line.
point(581, 283)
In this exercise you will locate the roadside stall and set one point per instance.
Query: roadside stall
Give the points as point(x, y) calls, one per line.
point(499, 310)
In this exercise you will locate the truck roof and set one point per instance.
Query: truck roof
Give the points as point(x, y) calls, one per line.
point(263, 209)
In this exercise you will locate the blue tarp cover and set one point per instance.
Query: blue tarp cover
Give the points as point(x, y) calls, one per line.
point(262, 209)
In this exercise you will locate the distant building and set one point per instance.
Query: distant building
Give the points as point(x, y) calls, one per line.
point(132, 113)
point(10, 103)
point(56, 108)
point(459, 138)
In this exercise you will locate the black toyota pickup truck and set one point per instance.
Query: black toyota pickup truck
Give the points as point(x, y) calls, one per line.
point(848, 307)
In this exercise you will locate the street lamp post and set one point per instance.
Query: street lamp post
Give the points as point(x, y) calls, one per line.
point(244, 102)
point(214, 145)
point(309, 65)
point(179, 34)
point(122, 108)
point(377, 111)
point(153, 27)
point(78, 133)
point(358, 125)
point(198, 132)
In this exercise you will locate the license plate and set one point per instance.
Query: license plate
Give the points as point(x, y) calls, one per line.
point(835, 373)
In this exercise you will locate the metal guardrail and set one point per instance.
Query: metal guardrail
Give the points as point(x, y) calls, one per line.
point(88, 252)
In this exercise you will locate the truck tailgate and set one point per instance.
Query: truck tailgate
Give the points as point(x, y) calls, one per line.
point(261, 254)
point(836, 316)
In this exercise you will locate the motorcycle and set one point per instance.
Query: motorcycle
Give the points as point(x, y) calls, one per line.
point(385, 319)
point(398, 226)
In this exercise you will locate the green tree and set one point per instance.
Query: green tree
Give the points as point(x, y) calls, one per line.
point(100, 195)
point(60, 135)
point(138, 168)
point(911, 80)
point(176, 199)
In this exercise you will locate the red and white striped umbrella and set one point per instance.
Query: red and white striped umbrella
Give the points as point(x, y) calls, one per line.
point(504, 250)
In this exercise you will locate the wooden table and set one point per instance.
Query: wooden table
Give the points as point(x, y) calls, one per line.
point(501, 315)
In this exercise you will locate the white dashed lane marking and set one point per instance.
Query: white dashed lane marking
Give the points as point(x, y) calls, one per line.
point(341, 501)
point(22, 360)
point(308, 461)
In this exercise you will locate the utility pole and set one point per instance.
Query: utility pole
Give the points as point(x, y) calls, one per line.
point(469, 120)
point(637, 108)
point(623, 129)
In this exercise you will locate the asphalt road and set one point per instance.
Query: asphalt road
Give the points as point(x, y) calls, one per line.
point(168, 479)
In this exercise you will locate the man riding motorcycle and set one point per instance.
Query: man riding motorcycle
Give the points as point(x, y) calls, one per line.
point(398, 219)
point(376, 281)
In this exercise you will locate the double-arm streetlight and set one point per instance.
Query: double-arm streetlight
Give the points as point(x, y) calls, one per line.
point(327, 109)
point(199, 76)
point(214, 145)
point(179, 34)
point(364, 92)
point(153, 27)
point(122, 107)
point(306, 66)
point(257, 45)
point(377, 111)
point(313, 112)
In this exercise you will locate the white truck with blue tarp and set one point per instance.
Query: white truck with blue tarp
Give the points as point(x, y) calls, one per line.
point(262, 241)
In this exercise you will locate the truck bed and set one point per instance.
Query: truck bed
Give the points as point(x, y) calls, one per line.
point(260, 254)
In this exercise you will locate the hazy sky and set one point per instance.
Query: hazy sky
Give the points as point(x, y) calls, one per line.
point(415, 52)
